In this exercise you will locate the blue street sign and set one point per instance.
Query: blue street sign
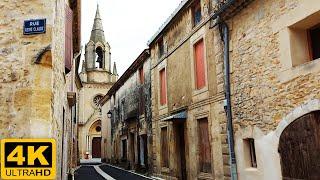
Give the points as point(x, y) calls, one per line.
point(34, 26)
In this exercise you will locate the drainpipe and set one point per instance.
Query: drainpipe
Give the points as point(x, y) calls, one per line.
point(224, 31)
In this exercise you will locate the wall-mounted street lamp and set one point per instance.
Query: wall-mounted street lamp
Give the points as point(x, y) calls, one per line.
point(109, 114)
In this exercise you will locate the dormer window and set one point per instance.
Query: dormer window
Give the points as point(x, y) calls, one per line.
point(196, 13)
point(99, 58)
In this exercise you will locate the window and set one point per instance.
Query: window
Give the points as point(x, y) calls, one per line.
point(161, 48)
point(199, 65)
point(164, 147)
point(141, 75)
point(250, 153)
point(163, 87)
point(204, 146)
point(96, 100)
point(196, 13)
point(314, 42)
point(68, 39)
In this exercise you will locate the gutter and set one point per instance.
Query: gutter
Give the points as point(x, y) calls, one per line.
point(224, 30)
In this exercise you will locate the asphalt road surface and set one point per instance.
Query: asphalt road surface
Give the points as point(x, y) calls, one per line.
point(87, 173)
point(120, 174)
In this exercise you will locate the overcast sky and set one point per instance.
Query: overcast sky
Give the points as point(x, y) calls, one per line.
point(128, 25)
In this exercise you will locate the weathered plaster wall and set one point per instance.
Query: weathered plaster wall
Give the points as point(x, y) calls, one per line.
point(131, 103)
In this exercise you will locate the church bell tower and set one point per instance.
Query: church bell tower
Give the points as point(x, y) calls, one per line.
point(97, 64)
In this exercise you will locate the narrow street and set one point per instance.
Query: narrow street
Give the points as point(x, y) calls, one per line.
point(88, 172)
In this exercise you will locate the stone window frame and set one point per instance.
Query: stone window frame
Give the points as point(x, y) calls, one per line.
point(194, 39)
point(287, 26)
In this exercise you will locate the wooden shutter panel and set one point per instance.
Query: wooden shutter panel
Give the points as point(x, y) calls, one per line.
point(163, 88)
point(68, 39)
point(204, 146)
point(199, 65)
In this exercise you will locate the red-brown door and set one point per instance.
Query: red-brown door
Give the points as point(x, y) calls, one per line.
point(96, 147)
point(299, 148)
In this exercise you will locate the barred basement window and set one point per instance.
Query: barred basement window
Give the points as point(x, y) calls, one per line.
point(250, 153)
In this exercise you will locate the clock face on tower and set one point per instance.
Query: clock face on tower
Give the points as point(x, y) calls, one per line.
point(96, 100)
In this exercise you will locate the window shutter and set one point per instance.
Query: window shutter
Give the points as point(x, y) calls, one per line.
point(204, 146)
point(68, 39)
point(199, 65)
point(163, 88)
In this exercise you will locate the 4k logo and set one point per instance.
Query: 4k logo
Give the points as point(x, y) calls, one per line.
point(28, 159)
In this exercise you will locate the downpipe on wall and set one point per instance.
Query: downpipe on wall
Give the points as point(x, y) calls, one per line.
point(224, 31)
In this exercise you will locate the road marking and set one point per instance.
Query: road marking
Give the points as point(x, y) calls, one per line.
point(152, 178)
point(102, 173)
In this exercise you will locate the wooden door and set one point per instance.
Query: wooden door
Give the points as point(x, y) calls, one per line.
point(181, 150)
point(96, 147)
point(299, 148)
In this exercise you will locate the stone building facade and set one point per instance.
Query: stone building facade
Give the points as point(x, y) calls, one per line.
point(188, 117)
point(37, 75)
point(221, 66)
point(275, 66)
point(128, 104)
point(96, 78)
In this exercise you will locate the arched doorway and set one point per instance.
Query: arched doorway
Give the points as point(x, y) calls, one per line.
point(95, 134)
point(299, 148)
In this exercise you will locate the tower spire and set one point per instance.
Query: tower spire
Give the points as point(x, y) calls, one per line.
point(97, 33)
point(115, 69)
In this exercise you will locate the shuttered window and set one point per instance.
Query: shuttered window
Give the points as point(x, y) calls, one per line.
point(68, 39)
point(199, 64)
point(204, 146)
point(141, 75)
point(164, 147)
point(163, 87)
